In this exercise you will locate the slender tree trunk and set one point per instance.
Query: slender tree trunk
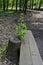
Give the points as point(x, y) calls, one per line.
point(0, 4)
point(12, 4)
point(20, 5)
point(4, 5)
point(39, 4)
point(32, 3)
point(16, 4)
point(25, 6)
point(7, 4)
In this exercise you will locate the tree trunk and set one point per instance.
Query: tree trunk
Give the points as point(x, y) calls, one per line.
point(12, 4)
point(32, 3)
point(13, 50)
point(4, 5)
point(25, 6)
point(16, 4)
point(0, 4)
point(39, 4)
point(7, 5)
point(20, 5)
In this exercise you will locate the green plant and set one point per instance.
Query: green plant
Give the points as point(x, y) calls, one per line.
point(3, 52)
point(20, 28)
point(14, 64)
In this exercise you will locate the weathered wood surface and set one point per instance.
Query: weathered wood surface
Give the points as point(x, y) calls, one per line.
point(29, 54)
point(25, 54)
point(36, 58)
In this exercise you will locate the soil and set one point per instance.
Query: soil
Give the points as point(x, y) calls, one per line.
point(8, 26)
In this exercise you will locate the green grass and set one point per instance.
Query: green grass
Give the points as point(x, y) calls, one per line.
point(10, 13)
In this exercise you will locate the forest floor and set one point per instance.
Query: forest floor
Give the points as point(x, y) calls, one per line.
point(8, 26)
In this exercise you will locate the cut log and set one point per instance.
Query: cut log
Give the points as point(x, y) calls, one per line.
point(13, 50)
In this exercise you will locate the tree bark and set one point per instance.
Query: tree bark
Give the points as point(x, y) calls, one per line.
point(32, 3)
point(20, 5)
point(13, 50)
point(4, 5)
point(39, 4)
point(0, 4)
point(25, 6)
point(12, 4)
point(16, 4)
point(7, 5)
